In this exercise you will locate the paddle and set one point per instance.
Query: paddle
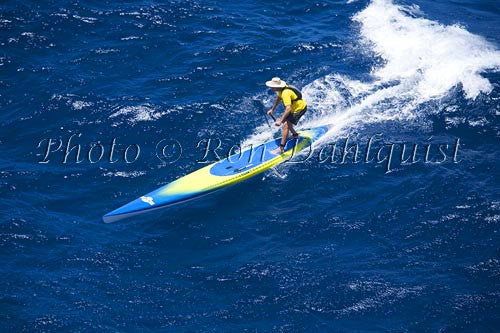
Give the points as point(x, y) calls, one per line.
point(260, 106)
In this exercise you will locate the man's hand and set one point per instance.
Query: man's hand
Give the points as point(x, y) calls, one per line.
point(278, 122)
point(270, 112)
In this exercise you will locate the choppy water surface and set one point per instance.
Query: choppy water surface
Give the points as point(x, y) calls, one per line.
point(313, 246)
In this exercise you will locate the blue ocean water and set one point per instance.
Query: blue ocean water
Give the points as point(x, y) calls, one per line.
point(308, 247)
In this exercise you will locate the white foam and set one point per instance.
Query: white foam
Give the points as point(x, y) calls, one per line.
point(434, 57)
point(134, 114)
point(130, 38)
point(124, 174)
point(78, 105)
point(85, 19)
point(420, 60)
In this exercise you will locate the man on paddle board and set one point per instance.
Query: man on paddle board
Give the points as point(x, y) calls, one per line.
point(295, 107)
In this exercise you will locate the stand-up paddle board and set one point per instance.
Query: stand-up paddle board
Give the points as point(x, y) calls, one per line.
point(228, 171)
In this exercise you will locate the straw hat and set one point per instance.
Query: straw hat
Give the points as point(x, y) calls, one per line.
point(276, 82)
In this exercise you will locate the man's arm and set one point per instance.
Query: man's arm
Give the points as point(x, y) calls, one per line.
point(280, 121)
point(288, 109)
point(276, 102)
point(287, 101)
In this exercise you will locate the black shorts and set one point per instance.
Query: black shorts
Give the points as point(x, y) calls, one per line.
point(294, 117)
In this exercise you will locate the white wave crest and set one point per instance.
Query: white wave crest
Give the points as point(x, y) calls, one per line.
point(432, 56)
point(422, 61)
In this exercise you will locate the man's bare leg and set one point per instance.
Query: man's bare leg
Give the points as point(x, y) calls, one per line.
point(284, 135)
point(294, 133)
